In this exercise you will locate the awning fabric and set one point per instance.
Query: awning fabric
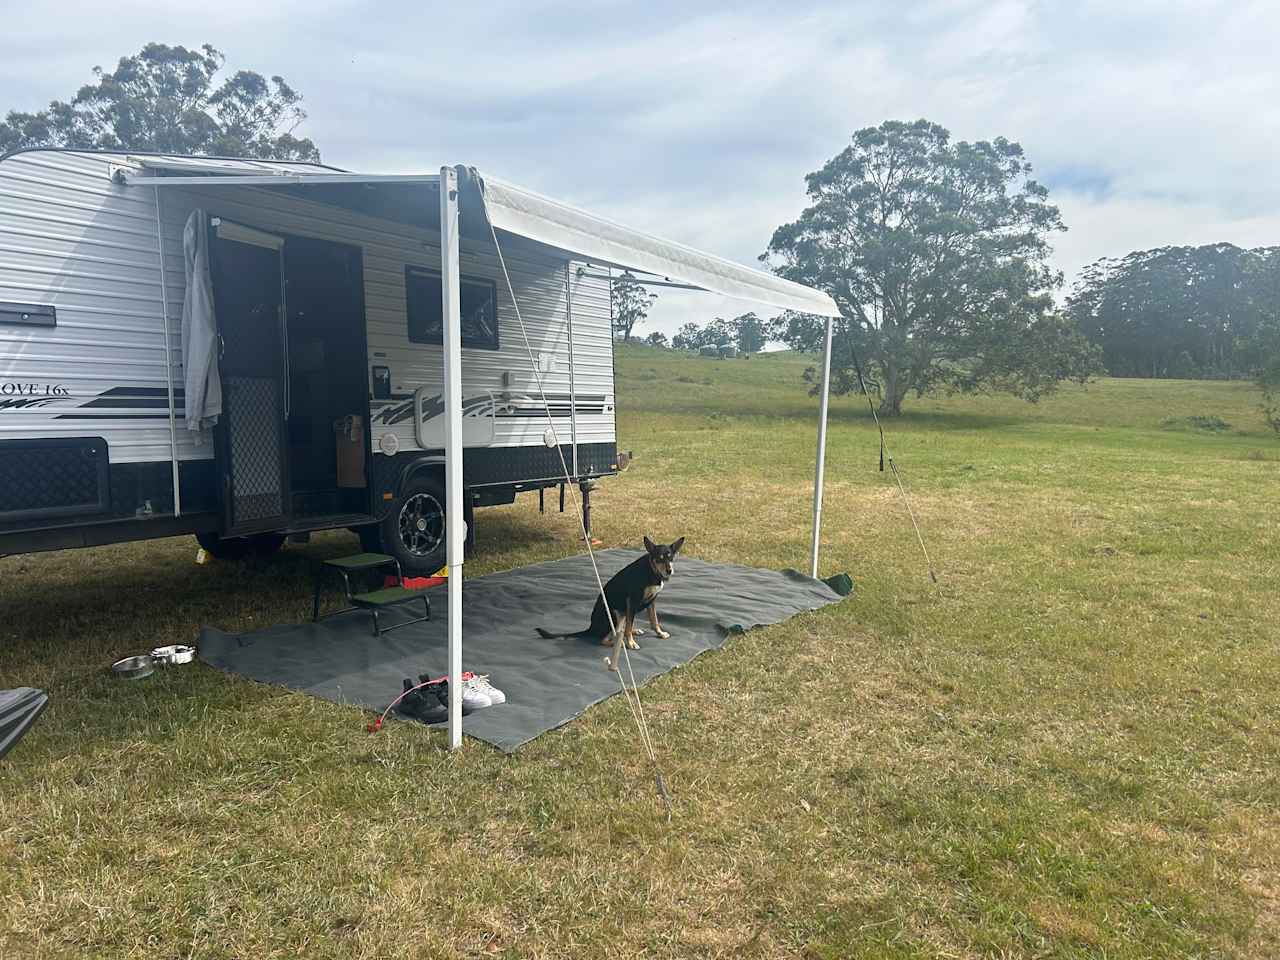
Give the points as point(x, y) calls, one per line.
point(527, 214)
point(523, 212)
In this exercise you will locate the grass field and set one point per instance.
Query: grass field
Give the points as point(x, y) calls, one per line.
point(1070, 748)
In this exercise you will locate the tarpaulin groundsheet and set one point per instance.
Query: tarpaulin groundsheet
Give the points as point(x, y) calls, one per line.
point(547, 682)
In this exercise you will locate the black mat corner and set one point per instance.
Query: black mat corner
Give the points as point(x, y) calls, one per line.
point(547, 682)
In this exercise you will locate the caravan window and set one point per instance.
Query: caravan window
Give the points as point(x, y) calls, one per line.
point(426, 313)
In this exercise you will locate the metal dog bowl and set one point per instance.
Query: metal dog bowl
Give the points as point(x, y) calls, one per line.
point(134, 668)
point(173, 655)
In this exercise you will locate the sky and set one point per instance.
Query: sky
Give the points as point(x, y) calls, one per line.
point(1151, 123)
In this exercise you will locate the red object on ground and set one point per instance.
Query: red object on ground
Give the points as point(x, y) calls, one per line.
point(414, 583)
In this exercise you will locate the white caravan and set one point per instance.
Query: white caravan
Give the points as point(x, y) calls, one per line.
point(307, 392)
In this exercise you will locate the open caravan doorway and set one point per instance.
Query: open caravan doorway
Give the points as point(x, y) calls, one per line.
point(292, 451)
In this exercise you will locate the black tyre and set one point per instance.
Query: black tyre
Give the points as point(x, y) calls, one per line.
point(237, 548)
point(413, 531)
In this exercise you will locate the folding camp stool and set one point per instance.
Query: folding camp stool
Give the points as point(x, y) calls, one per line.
point(373, 600)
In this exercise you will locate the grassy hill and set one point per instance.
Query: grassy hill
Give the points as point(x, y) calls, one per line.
point(1068, 748)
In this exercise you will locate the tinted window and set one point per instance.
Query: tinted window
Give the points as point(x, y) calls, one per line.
point(479, 302)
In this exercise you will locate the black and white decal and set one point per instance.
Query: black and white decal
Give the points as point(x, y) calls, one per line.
point(400, 409)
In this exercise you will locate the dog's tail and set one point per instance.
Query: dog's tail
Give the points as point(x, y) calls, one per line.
point(548, 635)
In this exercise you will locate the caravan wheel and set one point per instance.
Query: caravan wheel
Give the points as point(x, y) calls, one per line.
point(413, 532)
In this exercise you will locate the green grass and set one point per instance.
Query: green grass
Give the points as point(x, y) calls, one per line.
point(1070, 748)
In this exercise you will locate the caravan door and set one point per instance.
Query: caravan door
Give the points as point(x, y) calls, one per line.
point(248, 297)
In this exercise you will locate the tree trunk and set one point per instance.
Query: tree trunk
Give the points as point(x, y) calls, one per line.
point(892, 392)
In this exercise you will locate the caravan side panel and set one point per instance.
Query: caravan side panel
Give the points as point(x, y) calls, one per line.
point(73, 240)
point(84, 248)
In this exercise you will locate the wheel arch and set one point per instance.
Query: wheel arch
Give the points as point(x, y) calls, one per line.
point(392, 478)
point(433, 464)
point(430, 463)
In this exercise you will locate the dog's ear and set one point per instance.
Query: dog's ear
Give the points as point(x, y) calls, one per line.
point(675, 547)
point(649, 545)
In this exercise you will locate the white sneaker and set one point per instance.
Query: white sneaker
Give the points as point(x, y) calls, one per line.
point(475, 694)
point(481, 683)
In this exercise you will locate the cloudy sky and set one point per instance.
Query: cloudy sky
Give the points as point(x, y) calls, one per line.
point(1150, 122)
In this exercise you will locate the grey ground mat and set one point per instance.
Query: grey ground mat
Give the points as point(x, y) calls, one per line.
point(547, 682)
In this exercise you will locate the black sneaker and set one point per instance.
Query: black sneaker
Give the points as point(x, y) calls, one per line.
point(433, 711)
point(421, 705)
point(409, 700)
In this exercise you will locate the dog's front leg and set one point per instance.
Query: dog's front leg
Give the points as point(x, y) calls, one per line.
point(631, 629)
point(653, 622)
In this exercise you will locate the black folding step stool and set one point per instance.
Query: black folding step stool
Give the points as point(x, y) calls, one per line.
point(372, 600)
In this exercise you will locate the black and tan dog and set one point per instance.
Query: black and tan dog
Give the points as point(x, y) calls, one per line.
point(630, 592)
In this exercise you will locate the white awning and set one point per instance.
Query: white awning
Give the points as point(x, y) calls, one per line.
point(522, 212)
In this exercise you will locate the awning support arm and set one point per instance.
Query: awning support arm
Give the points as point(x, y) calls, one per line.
point(643, 281)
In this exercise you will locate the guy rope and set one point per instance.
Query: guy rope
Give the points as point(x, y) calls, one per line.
point(885, 454)
point(632, 693)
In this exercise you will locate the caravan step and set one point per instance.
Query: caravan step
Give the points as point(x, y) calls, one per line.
point(371, 600)
point(387, 597)
point(361, 561)
point(379, 600)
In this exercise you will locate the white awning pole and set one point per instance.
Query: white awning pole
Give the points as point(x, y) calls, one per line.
point(822, 453)
point(454, 532)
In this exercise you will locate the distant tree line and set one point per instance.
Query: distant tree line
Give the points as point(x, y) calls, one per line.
point(747, 332)
point(631, 301)
point(1197, 312)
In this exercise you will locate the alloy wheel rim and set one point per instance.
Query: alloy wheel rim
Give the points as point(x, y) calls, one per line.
point(421, 524)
